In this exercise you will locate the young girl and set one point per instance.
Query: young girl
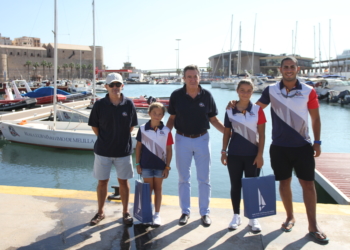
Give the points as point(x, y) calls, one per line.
point(247, 122)
point(153, 154)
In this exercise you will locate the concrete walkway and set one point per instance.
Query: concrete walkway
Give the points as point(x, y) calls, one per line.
point(40, 218)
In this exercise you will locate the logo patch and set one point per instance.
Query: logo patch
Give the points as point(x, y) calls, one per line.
point(262, 203)
point(298, 93)
point(251, 113)
point(161, 132)
point(13, 131)
point(201, 104)
point(124, 114)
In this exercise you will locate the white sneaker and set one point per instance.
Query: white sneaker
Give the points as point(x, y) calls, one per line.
point(156, 220)
point(254, 223)
point(236, 221)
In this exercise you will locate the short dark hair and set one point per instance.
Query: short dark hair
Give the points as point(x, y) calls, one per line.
point(248, 82)
point(191, 67)
point(156, 105)
point(292, 58)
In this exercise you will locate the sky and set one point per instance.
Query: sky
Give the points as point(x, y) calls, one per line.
point(145, 32)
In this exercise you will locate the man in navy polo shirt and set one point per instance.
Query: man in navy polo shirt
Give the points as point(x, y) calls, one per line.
point(191, 109)
point(112, 119)
point(291, 103)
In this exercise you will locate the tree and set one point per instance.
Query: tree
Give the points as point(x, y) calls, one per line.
point(83, 67)
point(149, 73)
point(36, 65)
point(77, 68)
point(71, 66)
point(58, 70)
point(220, 71)
point(65, 66)
point(27, 64)
point(270, 72)
point(49, 65)
point(178, 72)
point(44, 64)
point(209, 70)
point(89, 67)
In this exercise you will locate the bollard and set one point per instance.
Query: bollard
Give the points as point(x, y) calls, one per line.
point(116, 195)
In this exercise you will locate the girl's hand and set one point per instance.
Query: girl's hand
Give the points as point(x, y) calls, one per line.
point(259, 161)
point(165, 173)
point(224, 159)
point(139, 170)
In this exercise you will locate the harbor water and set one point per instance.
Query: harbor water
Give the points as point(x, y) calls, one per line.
point(35, 166)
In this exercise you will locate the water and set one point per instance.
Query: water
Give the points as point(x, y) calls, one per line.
point(34, 166)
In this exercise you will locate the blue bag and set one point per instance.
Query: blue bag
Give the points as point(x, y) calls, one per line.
point(259, 196)
point(142, 202)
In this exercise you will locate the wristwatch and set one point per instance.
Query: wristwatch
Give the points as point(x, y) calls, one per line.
point(167, 167)
point(318, 142)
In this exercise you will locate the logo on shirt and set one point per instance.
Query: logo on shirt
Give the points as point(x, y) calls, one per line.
point(124, 114)
point(251, 113)
point(161, 132)
point(201, 104)
point(298, 93)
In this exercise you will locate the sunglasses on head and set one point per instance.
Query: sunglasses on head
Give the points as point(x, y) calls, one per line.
point(117, 84)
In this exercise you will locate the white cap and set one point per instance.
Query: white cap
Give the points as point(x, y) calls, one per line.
point(114, 77)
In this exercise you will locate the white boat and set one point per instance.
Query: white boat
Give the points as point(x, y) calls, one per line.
point(78, 86)
point(152, 82)
point(100, 87)
point(324, 86)
point(215, 84)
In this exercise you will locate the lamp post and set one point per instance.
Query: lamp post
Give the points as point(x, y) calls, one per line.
point(178, 53)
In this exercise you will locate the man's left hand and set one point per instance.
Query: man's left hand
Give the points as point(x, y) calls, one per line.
point(317, 149)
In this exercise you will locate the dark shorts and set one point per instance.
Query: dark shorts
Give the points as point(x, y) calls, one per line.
point(285, 159)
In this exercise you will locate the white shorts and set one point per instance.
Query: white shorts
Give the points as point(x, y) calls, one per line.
point(103, 165)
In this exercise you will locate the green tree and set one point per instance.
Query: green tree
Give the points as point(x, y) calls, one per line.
point(71, 66)
point(89, 67)
point(149, 73)
point(58, 70)
point(27, 64)
point(270, 72)
point(65, 66)
point(220, 71)
point(36, 65)
point(49, 65)
point(209, 70)
point(178, 72)
point(83, 67)
point(77, 69)
point(44, 64)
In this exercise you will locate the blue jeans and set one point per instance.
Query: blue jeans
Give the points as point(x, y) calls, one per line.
point(185, 149)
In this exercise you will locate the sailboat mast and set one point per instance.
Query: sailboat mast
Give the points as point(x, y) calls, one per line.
point(295, 43)
point(94, 51)
point(319, 47)
point(55, 69)
point(252, 70)
point(329, 53)
point(229, 62)
point(239, 51)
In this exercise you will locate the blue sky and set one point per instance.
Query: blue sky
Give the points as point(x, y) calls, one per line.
point(145, 31)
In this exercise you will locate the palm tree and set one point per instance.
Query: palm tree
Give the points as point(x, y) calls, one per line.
point(221, 71)
point(209, 70)
point(36, 65)
point(77, 68)
point(44, 64)
point(49, 65)
point(27, 64)
point(58, 69)
point(65, 66)
point(84, 67)
point(71, 66)
point(90, 69)
point(178, 71)
point(149, 73)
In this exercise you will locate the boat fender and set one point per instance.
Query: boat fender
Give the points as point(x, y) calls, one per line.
point(23, 122)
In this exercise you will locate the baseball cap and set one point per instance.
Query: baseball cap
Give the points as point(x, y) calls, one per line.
point(114, 77)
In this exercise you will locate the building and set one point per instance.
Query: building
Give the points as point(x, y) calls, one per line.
point(5, 40)
point(27, 41)
point(36, 63)
point(253, 62)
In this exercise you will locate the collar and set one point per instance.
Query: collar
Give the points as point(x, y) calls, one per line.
point(123, 102)
point(249, 108)
point(200, 89)
point(148, 126)
point(297, 85)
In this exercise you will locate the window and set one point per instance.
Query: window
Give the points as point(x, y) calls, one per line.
point(38, 55)
point(31, 54)
point(10, 53)
point(17, 53)
point(25, 53)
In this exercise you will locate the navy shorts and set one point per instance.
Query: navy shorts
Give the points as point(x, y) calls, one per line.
point(285, 159)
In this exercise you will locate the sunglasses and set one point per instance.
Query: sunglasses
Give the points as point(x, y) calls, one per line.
point(113, 84)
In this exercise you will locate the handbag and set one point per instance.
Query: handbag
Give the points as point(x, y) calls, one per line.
point(259, 196)
point(142, 202)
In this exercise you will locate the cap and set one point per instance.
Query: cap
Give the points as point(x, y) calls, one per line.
point(114, 77)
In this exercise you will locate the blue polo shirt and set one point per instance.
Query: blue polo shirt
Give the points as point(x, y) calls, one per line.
point(289, 113)
point(154, 143)
point(245, 136)
point(192, 114)
point(113, 123)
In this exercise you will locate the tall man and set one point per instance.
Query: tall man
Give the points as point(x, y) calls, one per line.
point(291, 102)
point(112, 119)
point(191, 108)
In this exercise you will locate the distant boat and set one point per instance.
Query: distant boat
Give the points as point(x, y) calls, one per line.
point(27, 103)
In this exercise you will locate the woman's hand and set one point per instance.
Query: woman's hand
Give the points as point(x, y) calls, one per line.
point(231, 104)
point(139, 170)
point(165, 173)
point(259, 161)
point(224, 159)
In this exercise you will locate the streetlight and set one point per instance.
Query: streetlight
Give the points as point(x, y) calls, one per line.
point(178, 52)
point(176, 55)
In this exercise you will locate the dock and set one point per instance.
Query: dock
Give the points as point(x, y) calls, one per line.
point(54, 219)
point(333, 174)
point(40, 112)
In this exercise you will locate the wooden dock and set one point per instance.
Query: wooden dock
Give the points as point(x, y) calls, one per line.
point(333, 174)
point(41, 112)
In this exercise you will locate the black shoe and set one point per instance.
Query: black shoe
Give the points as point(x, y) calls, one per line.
point(206, 220)
point(183, 219)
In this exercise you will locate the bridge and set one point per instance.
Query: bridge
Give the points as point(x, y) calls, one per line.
point(167, 71)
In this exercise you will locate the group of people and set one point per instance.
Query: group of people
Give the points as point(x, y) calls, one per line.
point(192, 109)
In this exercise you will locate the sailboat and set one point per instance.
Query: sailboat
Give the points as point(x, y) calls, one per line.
point(70, 135)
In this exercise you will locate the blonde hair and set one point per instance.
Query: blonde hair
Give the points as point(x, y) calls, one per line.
point(156, 105)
